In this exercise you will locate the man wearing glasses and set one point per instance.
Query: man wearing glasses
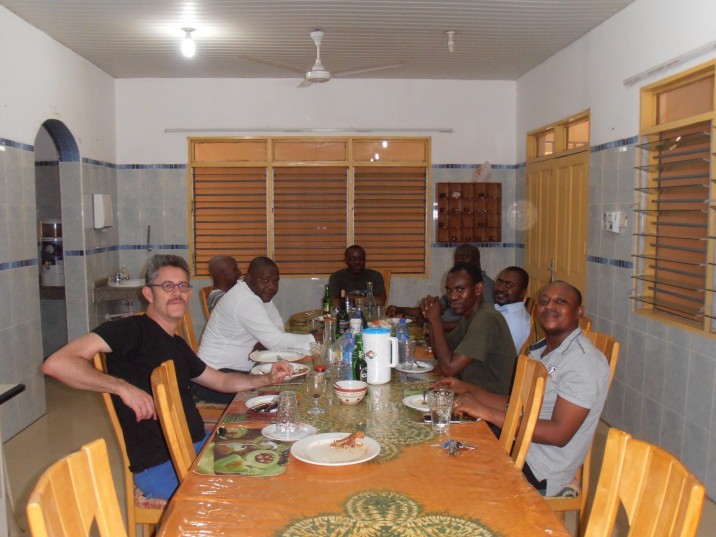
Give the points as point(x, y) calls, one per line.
point(135, 346)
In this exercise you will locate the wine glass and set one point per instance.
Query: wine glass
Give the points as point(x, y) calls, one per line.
point(315, 386)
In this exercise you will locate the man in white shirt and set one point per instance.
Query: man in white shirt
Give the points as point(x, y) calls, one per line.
point(509, 294)
point(246, 319)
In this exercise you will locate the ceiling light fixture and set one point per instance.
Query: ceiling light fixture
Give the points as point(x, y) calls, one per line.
point(188, 46)
point(451, 41)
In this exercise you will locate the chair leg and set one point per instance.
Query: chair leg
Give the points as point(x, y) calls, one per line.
point(148, 530)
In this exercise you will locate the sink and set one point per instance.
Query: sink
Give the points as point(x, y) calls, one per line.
point(136, 282)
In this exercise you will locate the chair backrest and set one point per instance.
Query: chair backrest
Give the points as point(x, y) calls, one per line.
point(659, 494)
point(386, 273)
point(531, 307)
point(585, 323)
point(609, 348)
point(185, 329)
point(172, 417)
point(205, 292)
point(75, 492)
point(147, 516)
point(523, 409)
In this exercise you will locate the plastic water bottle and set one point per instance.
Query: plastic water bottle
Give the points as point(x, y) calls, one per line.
point(346, 368)
point(402, 335)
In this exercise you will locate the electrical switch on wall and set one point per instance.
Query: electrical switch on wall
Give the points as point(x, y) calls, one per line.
point(614, 221)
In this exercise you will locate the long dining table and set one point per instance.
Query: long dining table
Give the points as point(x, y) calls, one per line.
point(412, 487)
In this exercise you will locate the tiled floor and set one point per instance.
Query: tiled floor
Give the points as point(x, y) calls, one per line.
point(75, 417)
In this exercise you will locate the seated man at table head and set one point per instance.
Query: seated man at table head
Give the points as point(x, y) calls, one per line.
point(135, 346)
point(575, 393)
point(509, 294)
point(465, 253)
point(355, 277)
point(224, 272)
point(479, 349)
point(244, 320)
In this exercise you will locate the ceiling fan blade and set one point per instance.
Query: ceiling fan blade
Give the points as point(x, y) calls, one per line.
point(273, 64)
point(305, 83)
point(370, 69)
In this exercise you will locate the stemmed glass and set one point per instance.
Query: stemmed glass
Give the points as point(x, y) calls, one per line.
point(315, 386)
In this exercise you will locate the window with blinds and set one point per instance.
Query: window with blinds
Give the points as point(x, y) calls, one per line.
point(302, 201)
point(675, 254)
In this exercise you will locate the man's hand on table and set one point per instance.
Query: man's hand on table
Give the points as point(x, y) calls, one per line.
point(431, 310)
point(279, 371)
point(460, 387)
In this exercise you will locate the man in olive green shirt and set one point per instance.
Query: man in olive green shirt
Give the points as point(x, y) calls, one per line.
point(480, 349)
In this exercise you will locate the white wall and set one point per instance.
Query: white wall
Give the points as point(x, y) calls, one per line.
point(589, 74)
point(482, 113)
point(44, 80)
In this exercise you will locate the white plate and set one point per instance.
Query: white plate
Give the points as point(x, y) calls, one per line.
point(396, 320)
point(275, 356)
point(422, 367)
point(417, 402)
point(261, 399)
point(317, 450)
point(298, 370)
point(304, 430)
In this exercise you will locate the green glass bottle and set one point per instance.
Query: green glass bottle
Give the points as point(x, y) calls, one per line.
point(327, 302)
point(344, 318)
point(360, 366)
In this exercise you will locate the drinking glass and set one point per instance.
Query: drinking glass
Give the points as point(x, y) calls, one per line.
point(315, 386)
point(287, 413)
point(440, 404)
point(407, 354)
point(315, 348)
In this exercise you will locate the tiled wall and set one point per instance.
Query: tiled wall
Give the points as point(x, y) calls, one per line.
point(664, 386)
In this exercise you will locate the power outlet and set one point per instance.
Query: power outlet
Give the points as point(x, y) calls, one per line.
point(614, 221)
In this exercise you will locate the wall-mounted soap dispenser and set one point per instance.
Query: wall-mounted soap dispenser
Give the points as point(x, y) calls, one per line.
point(103, 214)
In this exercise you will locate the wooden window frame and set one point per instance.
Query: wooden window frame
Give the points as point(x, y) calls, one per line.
point(390, 222)
point(676, 209)
point(560, 130)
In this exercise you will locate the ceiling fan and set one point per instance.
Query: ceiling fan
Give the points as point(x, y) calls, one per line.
point(319, 73)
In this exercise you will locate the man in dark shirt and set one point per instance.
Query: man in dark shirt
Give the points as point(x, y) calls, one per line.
point(135, 346)
point(354, 279)
point(479, 349)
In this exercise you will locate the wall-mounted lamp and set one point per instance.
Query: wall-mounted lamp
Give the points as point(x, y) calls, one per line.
point(188, 46)
point(451, 41)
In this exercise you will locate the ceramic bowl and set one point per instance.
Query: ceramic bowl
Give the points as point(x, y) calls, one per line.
point(350, 392)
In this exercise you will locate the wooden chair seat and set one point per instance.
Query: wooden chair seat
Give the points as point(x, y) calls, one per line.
point(657, 492)
point(74, 494)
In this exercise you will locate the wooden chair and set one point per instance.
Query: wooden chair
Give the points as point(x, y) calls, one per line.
point(531, 307)
point(585, 323)
point(610, 348)
point(185, 329)
point(73, 494)
point(172, 417)
point(658, 493)
point(140, 511)
point(205, 292)
point(386, 273)
point(523, 410)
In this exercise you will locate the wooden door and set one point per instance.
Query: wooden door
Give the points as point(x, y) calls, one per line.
point(556, 245)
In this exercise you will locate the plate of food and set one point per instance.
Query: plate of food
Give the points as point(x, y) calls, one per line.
point(416, 367)
point(336, 449)
point(417, 402)
point(265, 403)
point(264, 369)
point(396, 320)
point(289, 355)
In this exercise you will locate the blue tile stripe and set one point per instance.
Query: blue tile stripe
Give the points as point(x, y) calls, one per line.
point(19, 264)
point(105, 249)
point(616, 143)
point(46, 163)
point(611, 262)
point(473, 166)
point(479, 244)
point(17, 145)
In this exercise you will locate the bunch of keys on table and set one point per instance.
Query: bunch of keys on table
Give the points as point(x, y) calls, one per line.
point(453, 447)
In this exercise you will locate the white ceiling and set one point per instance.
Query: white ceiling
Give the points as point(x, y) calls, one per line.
point(494, 39)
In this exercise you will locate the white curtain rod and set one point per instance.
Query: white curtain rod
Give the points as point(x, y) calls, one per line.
point(309, 129)
point(673, 62)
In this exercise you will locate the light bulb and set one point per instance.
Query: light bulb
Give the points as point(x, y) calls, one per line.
point(451, 41)
point(188, 46)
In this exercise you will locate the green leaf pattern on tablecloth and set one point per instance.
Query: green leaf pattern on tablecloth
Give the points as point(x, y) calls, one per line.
point(383, 513)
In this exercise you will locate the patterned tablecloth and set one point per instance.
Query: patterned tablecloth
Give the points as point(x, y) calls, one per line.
point(410, 488)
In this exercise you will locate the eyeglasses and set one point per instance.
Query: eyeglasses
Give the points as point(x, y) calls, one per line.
point(184, 287)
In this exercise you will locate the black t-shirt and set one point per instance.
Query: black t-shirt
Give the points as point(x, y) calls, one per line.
point(138, 346)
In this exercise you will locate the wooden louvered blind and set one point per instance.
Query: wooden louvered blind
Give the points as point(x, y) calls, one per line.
point(390, 215)
point(229, 215)
point(309, 218)
point(302, 201)
point(676, 229)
